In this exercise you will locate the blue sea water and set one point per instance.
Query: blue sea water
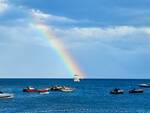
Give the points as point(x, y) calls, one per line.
point(90, 96)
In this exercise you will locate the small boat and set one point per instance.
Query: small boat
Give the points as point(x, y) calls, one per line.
point(6, 95)
point(61, 88)
point(117, 91)
point(76, 78)
point(67, 89)
point(29, 89)
point(55, 88)
point(145, 85)
point(136, 91)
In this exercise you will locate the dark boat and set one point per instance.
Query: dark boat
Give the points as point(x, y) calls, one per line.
point(55, 88)
point(145, 85)
point(117, 91)
point(136, 91)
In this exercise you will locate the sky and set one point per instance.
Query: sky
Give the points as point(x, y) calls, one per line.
point(106, 38)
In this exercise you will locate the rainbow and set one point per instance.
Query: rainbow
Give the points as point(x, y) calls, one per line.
point(60, 48)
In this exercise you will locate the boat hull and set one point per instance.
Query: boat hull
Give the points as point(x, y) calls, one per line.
point(35, 90)
point(145, 86)
point(29, 90)
point(43, 90)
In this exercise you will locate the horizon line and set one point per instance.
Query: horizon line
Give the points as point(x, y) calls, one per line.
point(69, 78)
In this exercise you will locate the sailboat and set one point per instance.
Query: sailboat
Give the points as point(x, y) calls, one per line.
point(76, 78)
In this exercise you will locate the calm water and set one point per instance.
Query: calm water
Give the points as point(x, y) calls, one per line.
point(90, 96)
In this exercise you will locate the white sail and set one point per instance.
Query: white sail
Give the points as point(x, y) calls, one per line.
point(76, 78)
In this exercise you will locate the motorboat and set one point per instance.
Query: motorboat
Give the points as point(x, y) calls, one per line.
point(117, 91)
point(6, 95)
point(145, 85)
point(67, 89)
point(55, 88)
point(61, 88)
point(136, 91)
point(29, 89)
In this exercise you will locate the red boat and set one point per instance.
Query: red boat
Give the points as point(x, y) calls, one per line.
point(32, 90)
point(29, 89)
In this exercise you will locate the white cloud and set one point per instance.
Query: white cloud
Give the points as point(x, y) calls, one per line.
point(98, 32)
point(3, 5)
point(39, 15)
point(118, 36)
point(20, 35)
point(123, 37)
point(27, 14)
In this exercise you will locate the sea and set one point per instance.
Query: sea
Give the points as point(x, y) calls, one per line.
point(89, 96)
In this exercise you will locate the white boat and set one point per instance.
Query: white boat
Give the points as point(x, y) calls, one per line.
point(76, 78)
point(145, 85)
point(136, 91)
point(67, 89)
point(6, 95)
